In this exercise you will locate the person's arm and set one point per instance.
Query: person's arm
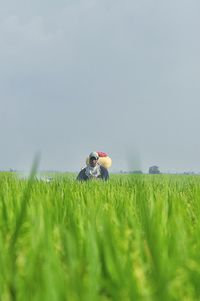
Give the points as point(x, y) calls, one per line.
point(104, 173)
point(81, 176)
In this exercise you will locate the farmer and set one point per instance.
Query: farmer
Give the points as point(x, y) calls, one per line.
point(93, 170)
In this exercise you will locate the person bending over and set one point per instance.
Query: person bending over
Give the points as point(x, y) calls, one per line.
point(93, 170)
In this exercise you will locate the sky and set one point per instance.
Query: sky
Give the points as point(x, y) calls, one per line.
point(117, 76)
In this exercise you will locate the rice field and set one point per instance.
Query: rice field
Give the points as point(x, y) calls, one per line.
point(136, 237)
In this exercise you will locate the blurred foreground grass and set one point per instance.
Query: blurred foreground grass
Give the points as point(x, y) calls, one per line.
point(133, 238)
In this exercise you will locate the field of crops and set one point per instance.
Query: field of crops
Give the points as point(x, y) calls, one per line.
point(135, 237)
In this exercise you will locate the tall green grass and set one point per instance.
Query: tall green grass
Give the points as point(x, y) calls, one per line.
point(133, 238)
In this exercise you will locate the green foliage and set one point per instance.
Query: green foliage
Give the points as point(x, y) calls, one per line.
point(135, 237)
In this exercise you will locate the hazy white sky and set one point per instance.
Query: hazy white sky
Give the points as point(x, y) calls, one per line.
point(116, 76)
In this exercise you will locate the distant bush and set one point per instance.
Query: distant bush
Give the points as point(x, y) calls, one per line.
point(136, 172)
point(154, 170)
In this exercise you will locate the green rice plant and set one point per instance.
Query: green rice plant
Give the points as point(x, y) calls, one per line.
point(135, 237)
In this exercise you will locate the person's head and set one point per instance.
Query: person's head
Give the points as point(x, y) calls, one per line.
point(93, 159)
